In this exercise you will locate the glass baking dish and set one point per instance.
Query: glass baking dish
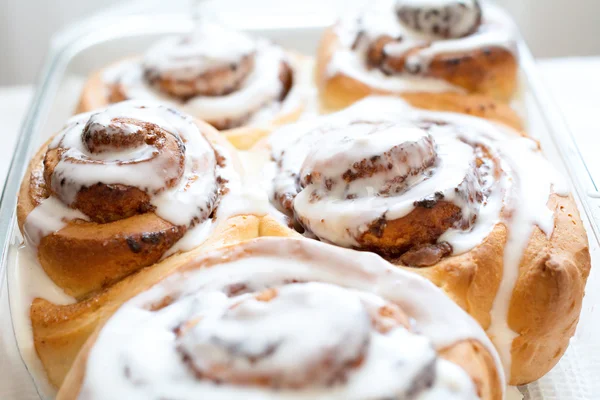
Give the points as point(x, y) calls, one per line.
point(97, 42)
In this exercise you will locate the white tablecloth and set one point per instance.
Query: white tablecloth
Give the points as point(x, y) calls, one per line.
point(573, 83)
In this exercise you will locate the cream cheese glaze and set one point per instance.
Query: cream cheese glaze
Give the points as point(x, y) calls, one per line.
point(440, 18)
point(189, 202)
point(374, 19)
point(340, 214)
point(276, 346)
point(257, 96)
point(210, 46)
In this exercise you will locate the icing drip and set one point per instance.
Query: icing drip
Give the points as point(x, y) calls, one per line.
point(148, 150)
point(511, 184)
point(527, 163)
point(51, 215)
point(390, 45)
point(223, 77)
point(264, 325)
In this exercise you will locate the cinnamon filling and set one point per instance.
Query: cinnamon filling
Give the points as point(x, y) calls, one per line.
point(450, 19)
point(216, 81)
point(238, 346)
point(286, 79)
point(427, 255)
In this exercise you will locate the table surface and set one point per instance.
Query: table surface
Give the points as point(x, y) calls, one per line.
point(572, 83)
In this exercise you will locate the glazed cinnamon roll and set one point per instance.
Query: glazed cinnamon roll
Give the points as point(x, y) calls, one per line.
point(470, 204)
point(399, 46)
point(279, 318)
point(119, 189)
point(224, 77)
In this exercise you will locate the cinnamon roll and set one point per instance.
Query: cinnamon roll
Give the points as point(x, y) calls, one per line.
point(399, 46)
point(223, 77)
point(470, 204)
point(118, 189)
point(279, 318)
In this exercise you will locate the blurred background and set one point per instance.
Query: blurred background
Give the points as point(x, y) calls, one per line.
point(552, 28)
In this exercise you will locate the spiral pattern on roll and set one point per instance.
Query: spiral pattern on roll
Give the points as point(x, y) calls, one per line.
point(131, 159)
point(252, 322)
point(219, 75)
point(391, 185)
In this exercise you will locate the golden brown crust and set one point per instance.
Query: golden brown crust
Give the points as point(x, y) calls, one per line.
point(470, 355)
point(59, 332)
point(84, 257)
point(479, 364)
point(475, 105)
point(547, 298)
point(97, 94)
point(549, 292)
point(485, 75)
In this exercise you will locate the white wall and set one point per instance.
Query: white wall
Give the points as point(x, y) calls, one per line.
point(25, 29)
point(551, 27)
point(557, 28)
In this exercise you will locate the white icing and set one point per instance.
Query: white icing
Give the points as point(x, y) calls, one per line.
point(518, 198)
point(51, 215)
point(210, 46)
point(340, 148)
point(377, 18)
point(324, 317)
point(143, 166)
point(258, 179)
point(191, 200)
point(192, 238)
point(257, 96)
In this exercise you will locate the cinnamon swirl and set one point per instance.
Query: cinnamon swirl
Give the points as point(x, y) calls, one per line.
point(399, 46)
point(223, 77)
point(470, 204)
point(278, 318)
point(118, 189)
